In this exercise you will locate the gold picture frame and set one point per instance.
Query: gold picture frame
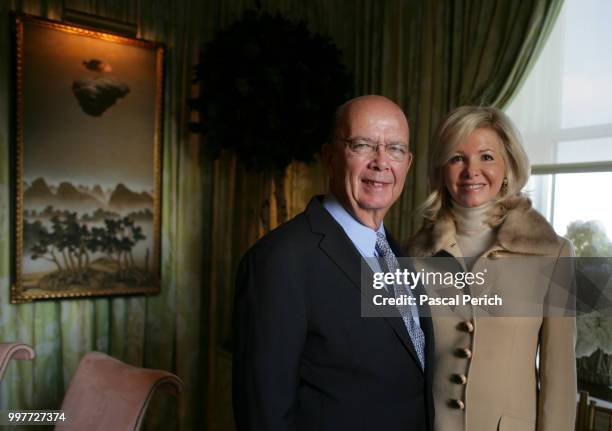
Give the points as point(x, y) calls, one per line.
point(87, 162)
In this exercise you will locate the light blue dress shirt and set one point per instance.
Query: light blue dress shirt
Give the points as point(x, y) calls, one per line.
point(362, 236)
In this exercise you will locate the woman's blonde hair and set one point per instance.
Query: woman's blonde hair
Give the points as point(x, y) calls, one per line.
point(455, 127)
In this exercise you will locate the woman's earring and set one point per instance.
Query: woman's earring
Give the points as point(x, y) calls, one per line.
point(504, 187)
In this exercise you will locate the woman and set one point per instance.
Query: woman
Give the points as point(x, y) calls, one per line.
point(486, 375)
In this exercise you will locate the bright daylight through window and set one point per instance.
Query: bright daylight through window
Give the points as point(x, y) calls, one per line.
point(564, 112)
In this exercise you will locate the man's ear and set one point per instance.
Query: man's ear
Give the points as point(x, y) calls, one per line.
point(410, 160)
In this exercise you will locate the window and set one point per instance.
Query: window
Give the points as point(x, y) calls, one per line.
point(564, 112)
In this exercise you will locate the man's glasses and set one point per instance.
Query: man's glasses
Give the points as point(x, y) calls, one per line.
point(362, 147)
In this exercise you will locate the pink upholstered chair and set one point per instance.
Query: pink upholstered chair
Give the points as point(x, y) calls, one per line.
point(10, 351)
point(106, 394)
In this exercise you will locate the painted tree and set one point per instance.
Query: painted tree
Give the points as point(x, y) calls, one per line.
point(68, 244)
point(117, 240)
point(44, 245)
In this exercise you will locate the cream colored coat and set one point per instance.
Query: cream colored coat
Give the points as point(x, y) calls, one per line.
point(496, 388)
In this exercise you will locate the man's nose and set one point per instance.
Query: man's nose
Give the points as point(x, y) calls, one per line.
point(380, 159)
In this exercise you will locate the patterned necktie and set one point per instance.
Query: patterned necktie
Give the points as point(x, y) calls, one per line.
point(390, 261)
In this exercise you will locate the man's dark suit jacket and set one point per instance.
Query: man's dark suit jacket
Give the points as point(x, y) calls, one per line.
point(304, 358)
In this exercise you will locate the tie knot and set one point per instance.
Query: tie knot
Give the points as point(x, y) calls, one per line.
point(382, 246)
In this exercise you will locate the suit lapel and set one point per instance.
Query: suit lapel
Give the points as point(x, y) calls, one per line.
point(337, 245)
point(341, 250)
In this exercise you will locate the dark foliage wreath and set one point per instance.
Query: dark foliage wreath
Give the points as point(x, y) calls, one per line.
point(268, 89)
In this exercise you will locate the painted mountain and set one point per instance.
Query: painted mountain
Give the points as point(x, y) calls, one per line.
point(81, 199)
point(123, 199)
point(38, 191)
point(98, 193)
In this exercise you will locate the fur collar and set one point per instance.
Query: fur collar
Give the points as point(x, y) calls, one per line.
point(523, 231)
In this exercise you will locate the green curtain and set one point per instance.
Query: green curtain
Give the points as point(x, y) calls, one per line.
point(472, 53)
point(429, 56)
point(162, 331)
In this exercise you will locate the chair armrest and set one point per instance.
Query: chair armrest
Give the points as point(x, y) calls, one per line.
point(10, 351)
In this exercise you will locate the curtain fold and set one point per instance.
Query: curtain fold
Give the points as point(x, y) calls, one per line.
point(162, 331)
point(471, 53)
point(491, 44)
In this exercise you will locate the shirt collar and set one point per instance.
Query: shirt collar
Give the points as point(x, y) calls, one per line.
point(362, 236)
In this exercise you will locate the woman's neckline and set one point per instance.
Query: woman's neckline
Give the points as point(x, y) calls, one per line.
point(469, 220)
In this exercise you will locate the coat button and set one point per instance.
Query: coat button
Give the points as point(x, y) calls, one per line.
point(468, 326)
point(460, 379)
point(464, 353)
point(458, 404)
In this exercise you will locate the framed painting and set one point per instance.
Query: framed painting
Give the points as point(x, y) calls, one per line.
point(87, 142)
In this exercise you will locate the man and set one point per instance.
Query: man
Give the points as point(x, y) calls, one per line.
point(304, 358)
